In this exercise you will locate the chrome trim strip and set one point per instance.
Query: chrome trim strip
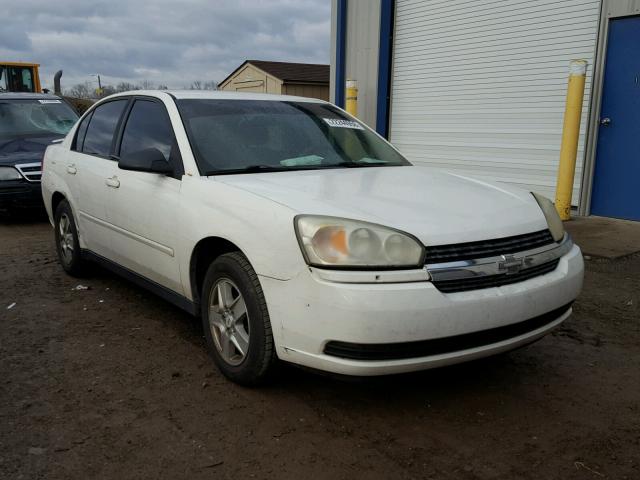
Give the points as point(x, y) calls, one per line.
point(374, 276)
point(504, 264)
point(131, 235)
point(34, 172)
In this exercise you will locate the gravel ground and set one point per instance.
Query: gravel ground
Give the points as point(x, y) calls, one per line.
point(112, 382)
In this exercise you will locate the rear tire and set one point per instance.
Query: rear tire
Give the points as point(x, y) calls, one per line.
point(236, 321)
point(67, 244)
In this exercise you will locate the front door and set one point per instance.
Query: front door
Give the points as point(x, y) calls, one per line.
point(616, 183)
point(143, 208)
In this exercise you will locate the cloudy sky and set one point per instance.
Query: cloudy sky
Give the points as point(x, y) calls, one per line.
point(172, 42)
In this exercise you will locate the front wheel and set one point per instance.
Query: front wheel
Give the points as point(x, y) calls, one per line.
point(236, 321)
point(67, 244)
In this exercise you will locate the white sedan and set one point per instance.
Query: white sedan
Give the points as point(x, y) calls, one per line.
point(299, 234)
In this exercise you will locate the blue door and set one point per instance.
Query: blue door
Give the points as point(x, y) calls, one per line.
point(616, 182)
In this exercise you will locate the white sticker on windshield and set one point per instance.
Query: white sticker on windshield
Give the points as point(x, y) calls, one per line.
point(337, 122)
point(49, 101)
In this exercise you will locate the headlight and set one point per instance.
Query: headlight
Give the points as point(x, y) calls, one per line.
point(338, 242)
point(9, 173)
point(551, 214)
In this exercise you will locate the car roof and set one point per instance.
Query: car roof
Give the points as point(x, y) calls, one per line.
point(220, 95)
point(27, 96)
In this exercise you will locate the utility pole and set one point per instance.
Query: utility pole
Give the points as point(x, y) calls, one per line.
point(99, 92)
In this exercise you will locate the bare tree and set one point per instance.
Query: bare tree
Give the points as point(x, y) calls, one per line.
point(108, 90)
point(80, 90)
point(85, 90)
point(210, 85)
point(197, 85)
point(146, 85)
point(126, 86)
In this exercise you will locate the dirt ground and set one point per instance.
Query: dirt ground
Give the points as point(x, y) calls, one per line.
point(114, 383)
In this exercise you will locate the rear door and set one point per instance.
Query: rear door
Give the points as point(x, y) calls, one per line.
point(143, 207)
point(88, 169)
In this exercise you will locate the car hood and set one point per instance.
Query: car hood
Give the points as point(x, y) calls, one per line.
point(435, 206)
point(25, 149)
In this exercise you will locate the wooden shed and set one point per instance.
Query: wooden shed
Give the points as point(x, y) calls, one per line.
point(282, 78)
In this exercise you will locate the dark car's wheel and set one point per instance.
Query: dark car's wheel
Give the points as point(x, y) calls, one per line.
point(236, 321)
point(67, 244)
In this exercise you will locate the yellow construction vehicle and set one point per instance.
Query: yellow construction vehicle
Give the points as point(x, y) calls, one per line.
point(19, 77)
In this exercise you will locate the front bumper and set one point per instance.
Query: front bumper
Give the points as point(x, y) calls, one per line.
point(308, 312)
point(20, 195)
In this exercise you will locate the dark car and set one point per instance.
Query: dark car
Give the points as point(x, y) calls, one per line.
point(29, 123)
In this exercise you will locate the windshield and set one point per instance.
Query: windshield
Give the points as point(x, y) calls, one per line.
point(35, 117)
point(231, 136)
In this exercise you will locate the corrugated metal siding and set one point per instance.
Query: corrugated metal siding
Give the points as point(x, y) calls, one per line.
point(479, 87)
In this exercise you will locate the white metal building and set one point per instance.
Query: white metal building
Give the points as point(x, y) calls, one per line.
point(478, 87)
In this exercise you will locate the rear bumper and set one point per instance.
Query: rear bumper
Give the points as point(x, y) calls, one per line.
point(20, 195)
point(311, 316)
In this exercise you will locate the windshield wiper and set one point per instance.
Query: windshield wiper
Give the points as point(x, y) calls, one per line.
point(366, 164)
point(260, 169)
point(273, 168)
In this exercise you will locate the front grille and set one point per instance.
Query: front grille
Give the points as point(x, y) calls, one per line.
point(487, 248)
point(487, 281)
point(438, 346)
point(31, 171)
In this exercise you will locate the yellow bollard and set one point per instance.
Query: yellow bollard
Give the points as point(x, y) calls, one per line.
point(351, 99)
point(570, 133)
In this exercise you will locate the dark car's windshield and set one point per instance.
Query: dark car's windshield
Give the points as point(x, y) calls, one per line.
point(255, 135)
point(35, 117)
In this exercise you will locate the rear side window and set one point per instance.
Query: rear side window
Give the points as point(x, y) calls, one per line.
point(148, 126)
point(102, 127)
point(82, 131)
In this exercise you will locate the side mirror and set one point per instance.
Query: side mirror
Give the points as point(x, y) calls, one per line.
point(148, 160)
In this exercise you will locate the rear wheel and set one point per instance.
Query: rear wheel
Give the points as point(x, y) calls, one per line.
point(236, 321)
point(67, 244)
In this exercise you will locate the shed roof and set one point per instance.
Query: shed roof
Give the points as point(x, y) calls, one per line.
point(290, 72)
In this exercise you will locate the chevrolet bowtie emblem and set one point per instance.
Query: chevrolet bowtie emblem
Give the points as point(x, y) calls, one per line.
point(510, 264)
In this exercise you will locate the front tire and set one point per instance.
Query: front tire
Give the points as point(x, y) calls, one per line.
point(67, 244)
point(236, 322)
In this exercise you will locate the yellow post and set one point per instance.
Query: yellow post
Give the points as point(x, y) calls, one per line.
point(570, 133)
point(351, 103)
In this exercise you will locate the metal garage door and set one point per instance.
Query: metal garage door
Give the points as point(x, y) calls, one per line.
point(478, 88)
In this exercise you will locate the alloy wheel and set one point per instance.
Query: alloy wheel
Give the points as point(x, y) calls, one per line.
point(66, 237)
point(229, 321)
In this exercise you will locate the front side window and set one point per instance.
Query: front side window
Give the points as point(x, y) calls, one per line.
point(230, 136)
point(148, 126)
point(102, 126)
point(35, 117)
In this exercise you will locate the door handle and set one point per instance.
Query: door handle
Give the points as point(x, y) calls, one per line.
point(605, 122)
point(113, 182)
point(71, 168)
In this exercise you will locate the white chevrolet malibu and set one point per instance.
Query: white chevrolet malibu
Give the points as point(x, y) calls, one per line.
point(299, 234)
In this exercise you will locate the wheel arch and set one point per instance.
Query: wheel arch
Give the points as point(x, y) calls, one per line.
point(206, 251)
point(56, 198)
